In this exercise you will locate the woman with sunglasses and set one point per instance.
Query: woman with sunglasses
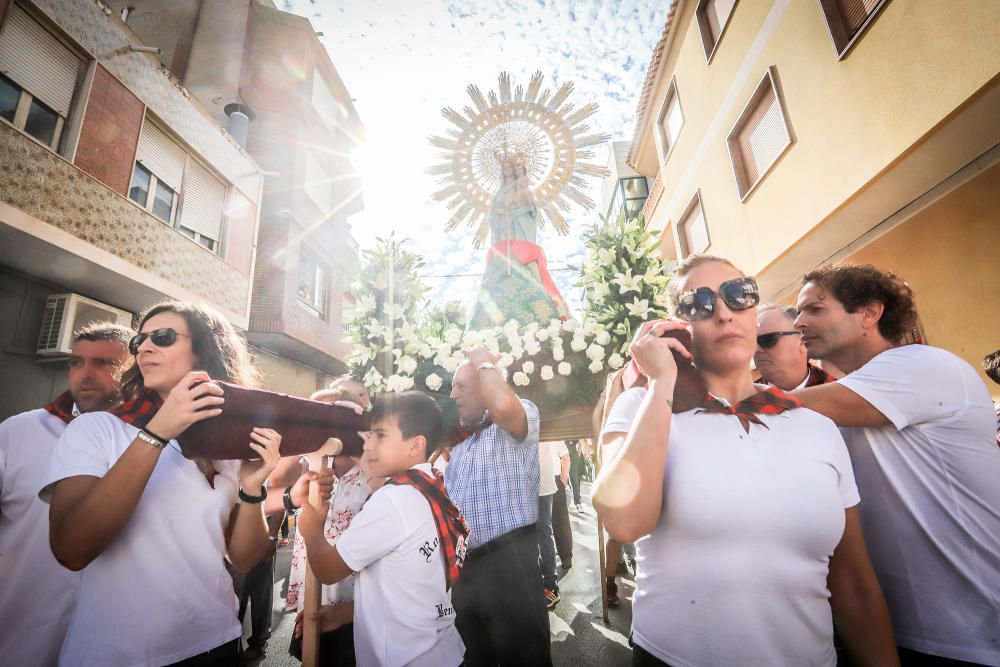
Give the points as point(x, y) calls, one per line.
point(148, 527)
point(745, 509)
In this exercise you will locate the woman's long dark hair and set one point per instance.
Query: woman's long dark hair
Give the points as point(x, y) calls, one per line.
point(220, 350)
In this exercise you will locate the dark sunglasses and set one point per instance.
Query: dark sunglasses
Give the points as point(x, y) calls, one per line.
point(699, 304)
point(769, 340)
point(160, 338)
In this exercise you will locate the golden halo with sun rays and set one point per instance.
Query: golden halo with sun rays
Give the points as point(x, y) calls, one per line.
point(543, 132)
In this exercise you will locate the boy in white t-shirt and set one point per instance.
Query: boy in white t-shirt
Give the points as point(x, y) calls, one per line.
point(406, 545)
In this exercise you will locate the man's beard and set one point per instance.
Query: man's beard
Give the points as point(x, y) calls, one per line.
point(105, 402)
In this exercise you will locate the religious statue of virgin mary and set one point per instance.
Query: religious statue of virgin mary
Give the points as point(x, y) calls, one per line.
point(513, 163)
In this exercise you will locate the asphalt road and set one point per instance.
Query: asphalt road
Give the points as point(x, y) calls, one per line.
point(579, 635)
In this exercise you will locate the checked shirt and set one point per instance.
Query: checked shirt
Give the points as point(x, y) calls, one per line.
point(493, 479)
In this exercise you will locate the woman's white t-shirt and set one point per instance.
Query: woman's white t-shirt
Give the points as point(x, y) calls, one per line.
point(735, 571)
point(160, 592)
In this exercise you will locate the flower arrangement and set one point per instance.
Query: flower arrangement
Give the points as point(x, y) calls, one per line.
point(402, 343)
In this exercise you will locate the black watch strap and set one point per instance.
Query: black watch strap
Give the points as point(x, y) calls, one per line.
point(253, 500)
point(287, 500)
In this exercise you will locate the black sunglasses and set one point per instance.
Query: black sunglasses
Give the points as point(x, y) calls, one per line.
point(769, 340)
point(160, 337)
point(699, 304)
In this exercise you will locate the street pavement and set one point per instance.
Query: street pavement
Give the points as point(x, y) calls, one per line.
point(579, 634)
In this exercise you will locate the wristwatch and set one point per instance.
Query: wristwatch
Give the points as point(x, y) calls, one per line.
point(286, 499)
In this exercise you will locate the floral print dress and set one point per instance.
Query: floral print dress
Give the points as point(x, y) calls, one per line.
point(349, 494)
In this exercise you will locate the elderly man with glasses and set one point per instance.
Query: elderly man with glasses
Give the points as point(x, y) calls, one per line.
point(781, 356)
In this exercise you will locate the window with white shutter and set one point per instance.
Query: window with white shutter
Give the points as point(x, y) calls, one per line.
point(759, 137)
point(847, 19)
point(713, 16)
point(670, 121)
point(692, 229)
point(38, 76)
point(203, 202)
point(161, 155)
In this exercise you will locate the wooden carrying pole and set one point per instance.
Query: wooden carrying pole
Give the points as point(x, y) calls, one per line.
point(312, 593)
point(602, 557)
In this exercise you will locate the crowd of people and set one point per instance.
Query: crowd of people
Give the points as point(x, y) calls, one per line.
point(841, 508)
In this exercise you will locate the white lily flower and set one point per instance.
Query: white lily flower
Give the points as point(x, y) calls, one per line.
point(546, 373)
point(433, 381)
point(606, 256)
point(628, 284)
point(564, 368)
point(638, 308)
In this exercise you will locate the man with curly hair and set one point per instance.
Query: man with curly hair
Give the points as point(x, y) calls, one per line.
point(918, 422)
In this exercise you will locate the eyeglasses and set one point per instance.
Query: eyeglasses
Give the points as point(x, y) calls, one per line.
point(160, 338)
point(769, 340)
point(699, 304)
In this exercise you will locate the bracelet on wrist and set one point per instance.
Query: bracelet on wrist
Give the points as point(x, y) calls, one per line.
point(253, 500)
point(151, 438)
point(286, 499)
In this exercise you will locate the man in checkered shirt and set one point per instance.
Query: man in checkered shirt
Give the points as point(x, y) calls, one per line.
point(991, 362)
point(492, 477)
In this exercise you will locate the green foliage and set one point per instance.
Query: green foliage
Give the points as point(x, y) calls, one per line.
point(623, 278)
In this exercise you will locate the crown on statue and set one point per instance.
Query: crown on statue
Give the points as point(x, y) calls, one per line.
point(510, 155)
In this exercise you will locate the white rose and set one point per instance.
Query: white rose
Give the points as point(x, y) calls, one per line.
point(511, 327)
point(532, 327)
point(505, 360)
point(577, 344)
point(596, 366)
point(616, 361)
point(433, 381)
point(517, 352)
point(528, 367)
point(564, 368)
point(532, 347)
point(472, 339)
point(406, 364)
point(558, 354)
point(398, 383)
point(543, 334)
point(595, 352)
point(425, 352)
point(449, 364)
point(602, 338)
point(452, 336)
point(520, 379)
point(570, 325)
point(546, 373)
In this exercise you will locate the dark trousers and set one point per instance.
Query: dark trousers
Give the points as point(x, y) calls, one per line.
point(561, 528)
point(499, 610)
point(336, 647)
point(575, 473)
point(257, 588)
point(227, 655)
point(643, 658)
point(546, 546)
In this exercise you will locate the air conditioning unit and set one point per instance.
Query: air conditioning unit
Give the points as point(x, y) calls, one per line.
point(66, 313)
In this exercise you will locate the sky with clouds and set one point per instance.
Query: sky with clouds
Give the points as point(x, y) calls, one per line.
point(403, 60)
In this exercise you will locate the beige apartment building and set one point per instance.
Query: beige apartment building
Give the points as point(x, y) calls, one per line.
point(265, 75)
point(790, 134)
point(118, 189)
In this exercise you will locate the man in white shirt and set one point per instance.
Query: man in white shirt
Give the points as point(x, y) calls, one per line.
point(918, 423)
point(406, 544)
point(547, 488)
point(781, 356)
point(36, 592)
